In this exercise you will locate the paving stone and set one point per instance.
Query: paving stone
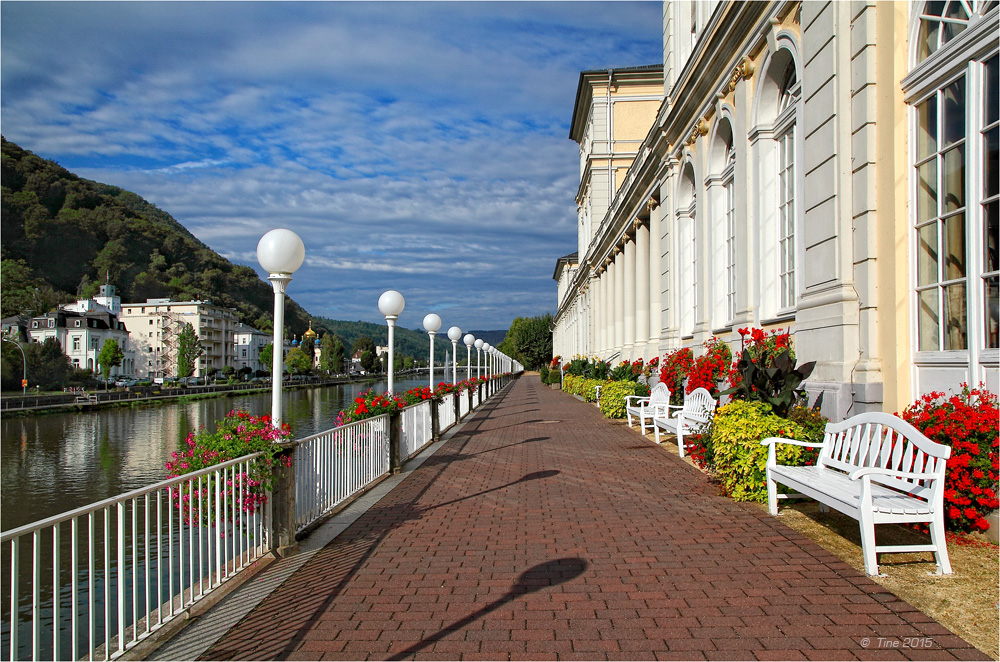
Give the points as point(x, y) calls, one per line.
point(573, 539)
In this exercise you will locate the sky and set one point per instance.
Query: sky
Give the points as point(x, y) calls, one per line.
point(421, 147)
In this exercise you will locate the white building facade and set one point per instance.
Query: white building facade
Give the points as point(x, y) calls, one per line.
point(83, 327)
point(156, 323)
point(824, 167)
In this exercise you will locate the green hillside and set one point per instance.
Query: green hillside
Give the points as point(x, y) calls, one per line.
point(411, 342)
point(63, 235)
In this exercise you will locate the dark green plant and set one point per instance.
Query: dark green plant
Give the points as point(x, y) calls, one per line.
point(778, 384)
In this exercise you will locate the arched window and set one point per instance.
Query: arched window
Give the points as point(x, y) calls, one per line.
point(943, 20)
point(688, 251)
point(721, 195)
point(785, 136)
point(955, 113)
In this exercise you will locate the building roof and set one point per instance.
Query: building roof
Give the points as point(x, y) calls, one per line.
point(583, 87)
point(563, 262)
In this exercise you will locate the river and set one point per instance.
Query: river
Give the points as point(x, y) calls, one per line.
point(54, 463)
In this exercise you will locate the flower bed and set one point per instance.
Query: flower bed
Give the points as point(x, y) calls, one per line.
point(968, 423)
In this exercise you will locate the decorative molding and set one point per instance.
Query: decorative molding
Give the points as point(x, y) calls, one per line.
point(700, 129)
point(743, 71)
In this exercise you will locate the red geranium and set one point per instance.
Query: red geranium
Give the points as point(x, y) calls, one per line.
point(968, 423)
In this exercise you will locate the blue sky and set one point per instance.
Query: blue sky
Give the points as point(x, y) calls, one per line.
point(421, 147)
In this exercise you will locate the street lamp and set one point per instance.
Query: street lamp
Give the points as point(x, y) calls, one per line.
point(24, 376)
point(489, 358)
point(391, 305)
point(432, 323)
point(454, 334)
point(469, 340)
point(479, 357)
point(280, 252)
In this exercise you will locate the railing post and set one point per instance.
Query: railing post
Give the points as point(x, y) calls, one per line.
point(435, 421)
point(472, 400)
point(395, 441)
point(283, 503)
point(457, 405)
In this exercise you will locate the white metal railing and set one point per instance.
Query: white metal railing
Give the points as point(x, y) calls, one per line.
point(95, 581)
point(446, 412)
point(416, 428)
point(332, 466)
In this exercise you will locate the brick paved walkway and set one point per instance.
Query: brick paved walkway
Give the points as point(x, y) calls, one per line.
point(542, 531)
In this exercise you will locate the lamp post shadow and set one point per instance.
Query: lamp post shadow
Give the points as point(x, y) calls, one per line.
point(535, 578)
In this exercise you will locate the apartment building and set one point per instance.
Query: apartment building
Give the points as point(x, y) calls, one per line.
point(155, 324)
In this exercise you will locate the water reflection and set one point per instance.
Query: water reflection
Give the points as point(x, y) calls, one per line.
point(54, 463)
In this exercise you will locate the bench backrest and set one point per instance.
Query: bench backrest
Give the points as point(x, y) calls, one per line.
point(699, 405)
point(659, 395)
point(888, 442)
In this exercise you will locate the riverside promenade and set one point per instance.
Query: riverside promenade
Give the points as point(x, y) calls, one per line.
point(539, 530)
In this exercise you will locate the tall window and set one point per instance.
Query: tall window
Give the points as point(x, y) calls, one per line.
point(728, 180)
point(785, 137)
point(956, 187)
point(991, 200)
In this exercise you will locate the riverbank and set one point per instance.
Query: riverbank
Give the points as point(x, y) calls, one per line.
point(38, 405)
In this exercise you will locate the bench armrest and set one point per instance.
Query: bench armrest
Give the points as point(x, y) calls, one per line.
point(772, 444)
point(640, 400)
point(795, 442)
point(878, 471)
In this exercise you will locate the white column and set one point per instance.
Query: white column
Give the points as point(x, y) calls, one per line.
point(642, 280)
point(602, 314)
point(628, 319)
point(619, 319)
point(655, 271)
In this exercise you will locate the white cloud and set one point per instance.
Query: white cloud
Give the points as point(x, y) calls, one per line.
point(420, 146)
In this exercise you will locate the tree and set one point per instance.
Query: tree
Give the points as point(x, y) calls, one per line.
point(188, 350)
point(369, 361)
point(297, 361)
point(48, 366)
point(529, 340)
point(111, 356)
point(266, 356)
point(337, 362)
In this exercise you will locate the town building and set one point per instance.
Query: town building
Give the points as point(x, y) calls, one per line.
point(83, 327)
point(247, 344)
point(825, 167)
point(156, 323)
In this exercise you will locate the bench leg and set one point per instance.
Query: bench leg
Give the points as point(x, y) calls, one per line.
point(629, 414)
point(772, 495)
point(656, 433)
point(868, 544)
point(940, 546)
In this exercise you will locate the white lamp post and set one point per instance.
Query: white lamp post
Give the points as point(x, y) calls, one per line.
point(432, 323)
point(469, 340)
point(454, 334)
point(391, 305)
point(486, 359)
point(280, 252)
point(479, 357)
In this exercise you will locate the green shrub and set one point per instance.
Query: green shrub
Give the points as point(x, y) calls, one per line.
point(613, 396)
point(739, 460)
point(589, 389)
point(543, 374)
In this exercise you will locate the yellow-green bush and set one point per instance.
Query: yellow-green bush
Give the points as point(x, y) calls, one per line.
point(739, 460)
point(589, 389)
point(569, 382)
point(613, 396)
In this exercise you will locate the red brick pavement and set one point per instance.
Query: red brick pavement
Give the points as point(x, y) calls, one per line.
point(541, 531)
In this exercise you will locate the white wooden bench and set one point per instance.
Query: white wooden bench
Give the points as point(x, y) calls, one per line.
point(647, 407)
point(698, 409)
point(877, 469)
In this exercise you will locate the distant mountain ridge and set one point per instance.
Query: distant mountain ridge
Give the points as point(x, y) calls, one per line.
point(63, 236)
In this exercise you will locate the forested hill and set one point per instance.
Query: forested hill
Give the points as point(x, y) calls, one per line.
point(62, 235)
